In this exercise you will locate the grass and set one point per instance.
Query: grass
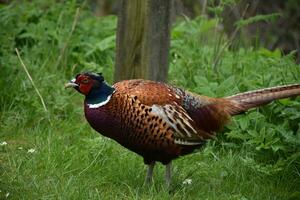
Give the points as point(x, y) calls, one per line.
point(90, 167)
point(257, 157)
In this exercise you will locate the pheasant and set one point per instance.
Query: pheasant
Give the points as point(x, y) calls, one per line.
point(161, 122)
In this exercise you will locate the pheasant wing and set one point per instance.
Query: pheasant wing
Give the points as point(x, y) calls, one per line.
point(185, 131)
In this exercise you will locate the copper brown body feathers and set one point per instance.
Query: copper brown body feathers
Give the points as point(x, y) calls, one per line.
point(161, 122)
point(146, 117)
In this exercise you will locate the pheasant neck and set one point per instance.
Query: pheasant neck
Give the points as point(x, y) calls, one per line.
point(100, 96)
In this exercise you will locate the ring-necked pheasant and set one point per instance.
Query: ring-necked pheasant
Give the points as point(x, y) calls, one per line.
point(161, 122)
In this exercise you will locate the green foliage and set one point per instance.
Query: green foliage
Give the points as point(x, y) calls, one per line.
point(217, 7)
point(47, 44)
point(257, 18)
point(257, 157)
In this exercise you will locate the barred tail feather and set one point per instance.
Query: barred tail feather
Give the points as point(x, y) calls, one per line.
point(242, 102)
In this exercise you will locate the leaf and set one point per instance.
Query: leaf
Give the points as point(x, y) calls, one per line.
point(270, 54)
point(107, 43)
point(243, 122)
point(256, 116)
point(285, 102)
point(208, 25)
point(257, 18)
point(277, 147)
point(226, 87)
point(237, 135)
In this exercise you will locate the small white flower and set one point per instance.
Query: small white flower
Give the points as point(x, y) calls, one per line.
point(3, 143)
point(187, 181)
point(31, 151)
point(20, 148)
point(6, 195)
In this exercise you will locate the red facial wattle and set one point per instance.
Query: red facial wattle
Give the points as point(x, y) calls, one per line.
point(85, 84)
point(85, 88)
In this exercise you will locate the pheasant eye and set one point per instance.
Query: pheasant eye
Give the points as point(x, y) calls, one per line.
point(84, 81)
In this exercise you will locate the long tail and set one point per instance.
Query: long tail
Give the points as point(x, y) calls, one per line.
point(242, 102)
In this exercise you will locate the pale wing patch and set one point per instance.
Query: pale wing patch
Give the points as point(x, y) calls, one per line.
point(177, 118)
point(187, 142)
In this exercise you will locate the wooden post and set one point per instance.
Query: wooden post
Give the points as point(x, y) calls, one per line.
point(143, 39)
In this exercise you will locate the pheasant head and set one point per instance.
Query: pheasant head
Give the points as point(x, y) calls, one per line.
point(93, 86)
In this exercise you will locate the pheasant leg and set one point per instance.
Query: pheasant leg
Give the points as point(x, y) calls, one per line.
point(149, 176)
point(168, 174)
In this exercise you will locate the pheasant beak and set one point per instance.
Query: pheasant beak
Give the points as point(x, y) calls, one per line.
point(71, 84)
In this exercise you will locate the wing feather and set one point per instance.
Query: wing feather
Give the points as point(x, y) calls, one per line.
point(185, 131)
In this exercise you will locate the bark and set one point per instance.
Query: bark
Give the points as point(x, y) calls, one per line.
point(143, 39)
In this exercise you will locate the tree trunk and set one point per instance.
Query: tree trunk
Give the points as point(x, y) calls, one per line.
point(143, 39)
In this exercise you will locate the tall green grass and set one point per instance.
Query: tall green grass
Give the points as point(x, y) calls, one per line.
point(257, 156)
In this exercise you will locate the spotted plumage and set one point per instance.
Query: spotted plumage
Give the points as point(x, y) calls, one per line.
point(142, 117)
point(161, 122)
